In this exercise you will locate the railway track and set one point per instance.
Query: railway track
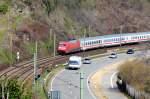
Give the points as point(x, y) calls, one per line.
point(23, 71)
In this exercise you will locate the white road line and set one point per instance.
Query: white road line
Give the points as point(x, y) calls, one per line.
point(54, 78)
point(88, 79)
point(70, 92)
point(111, 79)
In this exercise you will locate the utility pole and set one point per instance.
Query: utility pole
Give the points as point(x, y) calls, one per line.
point(36, 49)
point(8, 95)
point(54, 45)
point(35, 61)
point(10, 36)
point(50, 35)
point(89, 31)
point(35, 56)
point(35, 64)
point(121, 28)
point(3, 97)
point(84, 43)
point(81, 84)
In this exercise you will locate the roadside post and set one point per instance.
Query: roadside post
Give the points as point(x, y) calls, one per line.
point(18, 56)
point(81, 84)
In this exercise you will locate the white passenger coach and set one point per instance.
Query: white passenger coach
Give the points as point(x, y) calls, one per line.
point(111, 40)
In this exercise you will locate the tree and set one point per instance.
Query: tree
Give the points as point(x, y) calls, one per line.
point(11, 89)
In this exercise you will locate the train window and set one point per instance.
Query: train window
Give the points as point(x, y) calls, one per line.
point(114, 39)
point(88, 43)
point(122, 38)
point(92, 42)
point(99, 41)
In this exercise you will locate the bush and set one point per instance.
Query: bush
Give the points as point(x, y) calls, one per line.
point(137, 74)
point(3, 8)
point(14, 89)
point(30, 48)
point(6, 56)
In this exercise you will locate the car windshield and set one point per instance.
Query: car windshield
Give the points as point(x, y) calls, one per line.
point(86, 59)
point(73, 62)
point(113, 54)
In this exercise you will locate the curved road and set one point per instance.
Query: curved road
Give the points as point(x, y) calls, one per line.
point(68, 81)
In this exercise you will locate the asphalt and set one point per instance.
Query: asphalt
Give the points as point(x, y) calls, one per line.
point(68, 81)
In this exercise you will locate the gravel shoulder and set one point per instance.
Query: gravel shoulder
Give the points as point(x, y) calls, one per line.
point(96, 80)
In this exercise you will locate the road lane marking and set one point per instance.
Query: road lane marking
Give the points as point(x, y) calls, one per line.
point(111, 79)
point(88, 83)
point(70, 92)
point(55, 78)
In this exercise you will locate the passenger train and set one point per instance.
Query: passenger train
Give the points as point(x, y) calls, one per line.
point(102, 41)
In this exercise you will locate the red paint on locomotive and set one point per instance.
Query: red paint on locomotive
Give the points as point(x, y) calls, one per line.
point(69, 46)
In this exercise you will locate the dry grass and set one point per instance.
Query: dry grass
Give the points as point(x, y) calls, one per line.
point(137, 74)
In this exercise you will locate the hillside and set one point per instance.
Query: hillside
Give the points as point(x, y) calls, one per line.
point(25, 21)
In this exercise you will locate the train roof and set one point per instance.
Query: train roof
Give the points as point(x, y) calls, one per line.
point(114, 35)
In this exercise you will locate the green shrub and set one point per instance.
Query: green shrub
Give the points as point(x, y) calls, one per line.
point(50, 5)
point(14, 88)
point(148, 1)
point(28, 2)
point(3, 8)
point(6, 56)
point(30, 48)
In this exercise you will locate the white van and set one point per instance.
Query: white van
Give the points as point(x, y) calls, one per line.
point(74, 62)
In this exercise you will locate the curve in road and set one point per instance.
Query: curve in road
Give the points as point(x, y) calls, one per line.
point(68, 81)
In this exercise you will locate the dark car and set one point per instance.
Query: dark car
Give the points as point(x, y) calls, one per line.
point(87, 61)
point(130, 51)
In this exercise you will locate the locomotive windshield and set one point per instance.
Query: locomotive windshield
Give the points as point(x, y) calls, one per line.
point(62, 44)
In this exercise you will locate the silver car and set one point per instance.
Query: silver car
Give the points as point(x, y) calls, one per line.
point(113, 55)
point(87, 61)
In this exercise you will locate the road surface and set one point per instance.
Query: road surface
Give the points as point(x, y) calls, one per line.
point(68, 81)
